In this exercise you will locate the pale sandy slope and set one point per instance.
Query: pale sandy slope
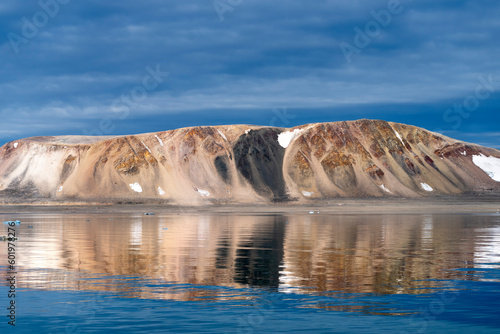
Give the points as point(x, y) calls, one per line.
point(248, 164)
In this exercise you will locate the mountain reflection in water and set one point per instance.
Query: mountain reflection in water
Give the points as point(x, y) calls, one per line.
point(192, 256)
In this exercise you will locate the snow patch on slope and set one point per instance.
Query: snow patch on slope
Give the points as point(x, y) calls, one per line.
point(286, 137)
point(15, 145)
point(426, 187)
point(399, 137)
point(489, 165)
point(203, 192)
point(223, 136)
point(136, 187)
point(159, 140)
point(160, 191)
point(146, 147)
point(385, 189)
point(307, 193)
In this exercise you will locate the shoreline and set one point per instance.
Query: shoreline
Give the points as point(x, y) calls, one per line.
point(448, 204)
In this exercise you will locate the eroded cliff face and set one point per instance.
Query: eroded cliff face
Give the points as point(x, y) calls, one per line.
point(247, 164)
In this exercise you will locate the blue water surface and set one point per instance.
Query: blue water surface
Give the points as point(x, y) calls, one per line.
point(433, 278)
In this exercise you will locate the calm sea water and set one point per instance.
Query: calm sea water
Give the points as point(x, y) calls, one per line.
point(254, 273)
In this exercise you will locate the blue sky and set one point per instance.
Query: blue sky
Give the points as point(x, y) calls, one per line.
point(71, 67)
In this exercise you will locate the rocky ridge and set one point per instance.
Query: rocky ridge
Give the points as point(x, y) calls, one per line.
point(248, 164)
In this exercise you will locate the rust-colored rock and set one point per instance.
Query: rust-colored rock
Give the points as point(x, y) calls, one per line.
point(242, 163)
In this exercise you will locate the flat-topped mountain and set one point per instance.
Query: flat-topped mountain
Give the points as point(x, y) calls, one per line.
point(247, 164)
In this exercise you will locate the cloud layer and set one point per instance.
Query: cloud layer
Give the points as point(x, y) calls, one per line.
point(66, 63)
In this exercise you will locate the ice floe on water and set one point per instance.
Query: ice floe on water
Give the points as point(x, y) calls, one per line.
point(136, 187)
point(159, 140)
point(160, 191)
point(426, 187)
point(384, 188)
point(286, 137)
point(489, 165)
point(307, 193)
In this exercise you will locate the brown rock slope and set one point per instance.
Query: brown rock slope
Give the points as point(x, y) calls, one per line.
point(244, 164)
